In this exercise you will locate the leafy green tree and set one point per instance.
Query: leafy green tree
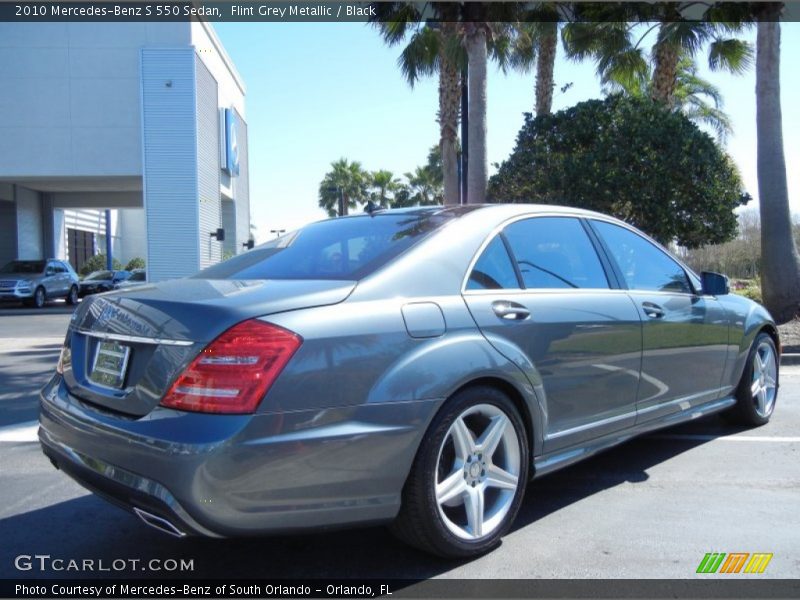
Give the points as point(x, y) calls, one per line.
point(780, 279)
point(631, 158)
point(347, 180)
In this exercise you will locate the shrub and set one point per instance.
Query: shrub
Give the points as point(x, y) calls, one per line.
point(135, 263)
point(748, 288)
point(98, 263)
point(631, 158)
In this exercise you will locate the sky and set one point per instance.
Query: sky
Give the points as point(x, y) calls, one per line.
point(317, 92)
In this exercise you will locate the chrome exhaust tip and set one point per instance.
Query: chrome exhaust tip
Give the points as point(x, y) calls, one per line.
point(159, 523)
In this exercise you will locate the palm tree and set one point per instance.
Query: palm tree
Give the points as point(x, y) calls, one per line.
point(780, 274)
point(345, 183)
point(536, 45)
point(431, 49)
point(383, 186)
point(615, 41)
point(424, 187)
point(461, 34)
point(698, 98)
point(477, 58)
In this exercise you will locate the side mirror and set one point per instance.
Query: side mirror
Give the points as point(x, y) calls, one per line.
point(715, 284)
point(249, 244)
point(49, 272)
point(219, 234)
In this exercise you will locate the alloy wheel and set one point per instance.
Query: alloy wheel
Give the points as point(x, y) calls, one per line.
point(765, 376)
point(478, 472)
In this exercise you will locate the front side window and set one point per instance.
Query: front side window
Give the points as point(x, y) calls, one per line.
point(643, 265)
point(555, 252)
point(494, 269)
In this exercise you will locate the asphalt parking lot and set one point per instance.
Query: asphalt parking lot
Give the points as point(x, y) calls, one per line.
point(649, 509)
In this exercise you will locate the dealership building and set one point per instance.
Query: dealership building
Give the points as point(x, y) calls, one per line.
point(128, 133)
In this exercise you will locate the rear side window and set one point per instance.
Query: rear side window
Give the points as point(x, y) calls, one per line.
point(643, 265)
point(346, 249)
point(555, 252)
point(494, 269)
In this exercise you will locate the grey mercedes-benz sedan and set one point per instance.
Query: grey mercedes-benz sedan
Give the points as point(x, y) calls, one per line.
point(415, 367)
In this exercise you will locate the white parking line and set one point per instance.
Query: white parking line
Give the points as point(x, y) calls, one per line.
point(12, 345)
point(728, 438)
point(20, 432)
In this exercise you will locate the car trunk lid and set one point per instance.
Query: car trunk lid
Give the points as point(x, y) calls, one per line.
point(127, 347)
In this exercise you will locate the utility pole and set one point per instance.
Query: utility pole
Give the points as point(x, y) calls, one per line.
point(109, 242)
point(464, 135)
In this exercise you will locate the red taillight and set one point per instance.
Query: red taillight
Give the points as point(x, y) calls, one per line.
point(232, 374)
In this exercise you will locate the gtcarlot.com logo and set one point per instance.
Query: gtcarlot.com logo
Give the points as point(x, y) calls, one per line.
point(734, 562)
point(45, 562)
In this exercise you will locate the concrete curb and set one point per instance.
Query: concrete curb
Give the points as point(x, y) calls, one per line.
point(791, 358)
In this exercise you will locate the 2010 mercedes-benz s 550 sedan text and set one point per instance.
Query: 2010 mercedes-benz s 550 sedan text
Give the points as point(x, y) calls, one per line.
point(415, 367)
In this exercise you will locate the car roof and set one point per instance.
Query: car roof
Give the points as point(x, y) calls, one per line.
point(508, 209)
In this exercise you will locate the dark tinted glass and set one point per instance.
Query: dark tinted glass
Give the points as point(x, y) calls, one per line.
point(494, 269)
point(23, 266)
point(138, 276)
point(555, 252)
point(643, 265)
point(101, 275)
point(347, 249)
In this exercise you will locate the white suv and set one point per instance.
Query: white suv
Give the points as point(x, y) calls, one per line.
point(34, 282)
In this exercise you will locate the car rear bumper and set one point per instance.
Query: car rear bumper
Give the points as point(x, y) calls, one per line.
point(120, 487)
point(231, 475)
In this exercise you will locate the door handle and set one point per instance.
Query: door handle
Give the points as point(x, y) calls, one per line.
point(510, 311)
point(654, 311)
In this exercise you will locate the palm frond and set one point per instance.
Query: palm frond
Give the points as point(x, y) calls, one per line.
point(734, 55)
point(421, 56)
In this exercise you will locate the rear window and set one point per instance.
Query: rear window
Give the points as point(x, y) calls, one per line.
point(346, 249)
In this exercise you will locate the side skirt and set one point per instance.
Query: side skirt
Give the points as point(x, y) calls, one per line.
point(548, 463)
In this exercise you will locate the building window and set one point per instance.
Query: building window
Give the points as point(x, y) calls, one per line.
point(80, 247)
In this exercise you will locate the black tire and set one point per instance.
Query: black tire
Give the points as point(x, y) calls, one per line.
point(421, 521)
point(748, 410)
point(72, 295)
point(39, 298)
